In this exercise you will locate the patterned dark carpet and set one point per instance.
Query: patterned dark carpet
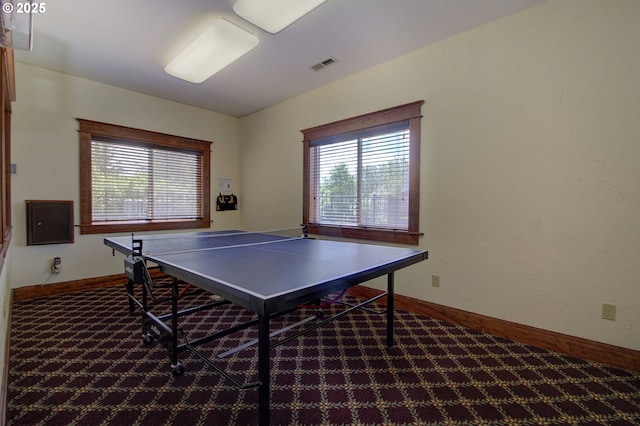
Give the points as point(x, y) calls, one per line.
point(79, 360)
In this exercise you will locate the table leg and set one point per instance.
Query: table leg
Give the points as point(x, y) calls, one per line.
point(129, 287)
point(263, 370)
point(176, 367)
point(174, 321)
point(390, 309)
point(146, 337)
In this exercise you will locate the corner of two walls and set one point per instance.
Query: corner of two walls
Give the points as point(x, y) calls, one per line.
point(529, 165)
point(45, 148)
point(529, 185)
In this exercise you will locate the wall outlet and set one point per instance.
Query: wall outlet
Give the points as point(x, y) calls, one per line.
point(608, 312)
point(55, 265)
point(435, 280)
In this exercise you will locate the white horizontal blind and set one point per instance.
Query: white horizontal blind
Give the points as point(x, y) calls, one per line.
point(337, 192)
point(362, 181)
point(134, 183)
point(385, 181)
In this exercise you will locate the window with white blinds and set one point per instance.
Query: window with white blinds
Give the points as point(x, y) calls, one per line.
point(136, 180)
point(138, 183)
point(362, 176)
point(363, 181)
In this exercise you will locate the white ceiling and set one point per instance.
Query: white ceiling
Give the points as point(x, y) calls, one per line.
point(127, 43)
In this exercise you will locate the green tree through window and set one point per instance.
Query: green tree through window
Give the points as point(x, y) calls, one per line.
point(362, 176)
point(338, 196)
point(138, 180)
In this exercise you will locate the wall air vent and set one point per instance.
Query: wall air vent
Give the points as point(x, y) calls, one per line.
point(323, 64)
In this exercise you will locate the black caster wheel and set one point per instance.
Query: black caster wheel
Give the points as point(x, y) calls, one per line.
point(177, 370)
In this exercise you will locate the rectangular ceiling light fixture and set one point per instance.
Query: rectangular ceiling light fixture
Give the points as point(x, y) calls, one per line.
point(216, 47)
point(274, 15)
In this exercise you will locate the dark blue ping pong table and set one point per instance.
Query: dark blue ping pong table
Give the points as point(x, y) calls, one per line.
point(266, 273)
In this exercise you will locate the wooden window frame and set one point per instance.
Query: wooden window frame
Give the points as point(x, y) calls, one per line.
point(409, 112)
point(89, 129)
point(7, 95)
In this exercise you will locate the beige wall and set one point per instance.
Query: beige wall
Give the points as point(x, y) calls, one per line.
point(530, 186)
point(45, 148)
